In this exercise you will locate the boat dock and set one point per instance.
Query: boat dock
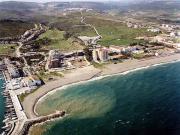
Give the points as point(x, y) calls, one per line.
point(14, 117)
point(15, 120)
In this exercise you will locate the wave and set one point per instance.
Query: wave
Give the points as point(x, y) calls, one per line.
point(98, 78)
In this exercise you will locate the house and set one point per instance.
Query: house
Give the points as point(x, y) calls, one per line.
point(13, 72)
point(14, 84)
point(137, 51)
point(31, 81)
point(90, 40)
point(172, 34)
point(155, 30)
point(175, 34)
point(116, 49)
point(177, 46)
point(165, 25)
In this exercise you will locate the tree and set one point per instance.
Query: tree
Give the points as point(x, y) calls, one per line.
point(66, 35)
point(88, 54)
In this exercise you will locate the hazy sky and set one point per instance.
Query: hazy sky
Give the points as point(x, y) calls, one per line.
point(56, 0)
point(61, 0)
point(82, 0)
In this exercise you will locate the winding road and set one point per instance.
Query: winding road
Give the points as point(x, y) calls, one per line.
point(90, 25)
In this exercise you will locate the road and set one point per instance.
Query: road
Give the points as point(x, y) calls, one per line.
point(90, 25)
point(18, 53)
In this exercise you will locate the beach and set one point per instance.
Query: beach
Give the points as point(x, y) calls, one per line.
point(90, 72)
point(144, 102)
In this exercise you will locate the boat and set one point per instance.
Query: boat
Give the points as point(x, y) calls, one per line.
point(4, 127)
point(3, 133)
point(5, 120)
point(14, 118)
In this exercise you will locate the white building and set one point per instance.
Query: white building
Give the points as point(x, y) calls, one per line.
point(177, 46)
point(100, 54)
point(137, 51)
point(175, 34)
point(14, 84)
point(116, 49)
point(13, 72)
point(31, 81)
point(155, 30)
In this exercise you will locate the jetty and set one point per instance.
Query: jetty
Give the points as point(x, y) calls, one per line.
point(29, 123)
point(15, 120)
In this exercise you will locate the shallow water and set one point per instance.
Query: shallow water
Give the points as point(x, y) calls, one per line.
point(145, 102)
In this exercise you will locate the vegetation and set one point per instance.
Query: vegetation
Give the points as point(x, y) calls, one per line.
point(47, 76)
point(113, 33)
point(7, 49)
point(59, 42)
point(24, 95)
point(177, 40)
point(116, 33)
point(98, 65)
point(138, 56)
point(66, 23)
point(9, 28)
point(88, 54)
point(83, 31)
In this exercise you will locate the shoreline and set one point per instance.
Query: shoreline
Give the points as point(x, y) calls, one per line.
point(97, 78)
point(110, 70)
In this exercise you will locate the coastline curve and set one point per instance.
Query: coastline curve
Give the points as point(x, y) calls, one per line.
point(96, 78)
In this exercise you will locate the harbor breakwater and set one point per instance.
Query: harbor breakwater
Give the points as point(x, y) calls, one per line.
point(28, 124)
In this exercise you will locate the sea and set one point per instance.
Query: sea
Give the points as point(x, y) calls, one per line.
point(2, 102)
point(144, 102)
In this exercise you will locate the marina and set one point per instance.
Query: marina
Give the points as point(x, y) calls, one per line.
point(14, 117)
point(13, 114)
point(2, 102)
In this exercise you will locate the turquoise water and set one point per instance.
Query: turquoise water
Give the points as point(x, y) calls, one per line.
point(145, 102)
point(2, 109)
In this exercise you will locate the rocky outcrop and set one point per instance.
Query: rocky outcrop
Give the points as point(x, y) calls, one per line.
point(39, 120)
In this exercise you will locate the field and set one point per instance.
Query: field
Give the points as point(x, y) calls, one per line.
point(116, 33)
point(72, 24)
point(83, 31)
point(113, 32)
point(7, 49)
point(13, 28)
point(58, 42)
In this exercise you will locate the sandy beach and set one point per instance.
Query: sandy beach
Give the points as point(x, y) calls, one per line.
point(88, 73)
